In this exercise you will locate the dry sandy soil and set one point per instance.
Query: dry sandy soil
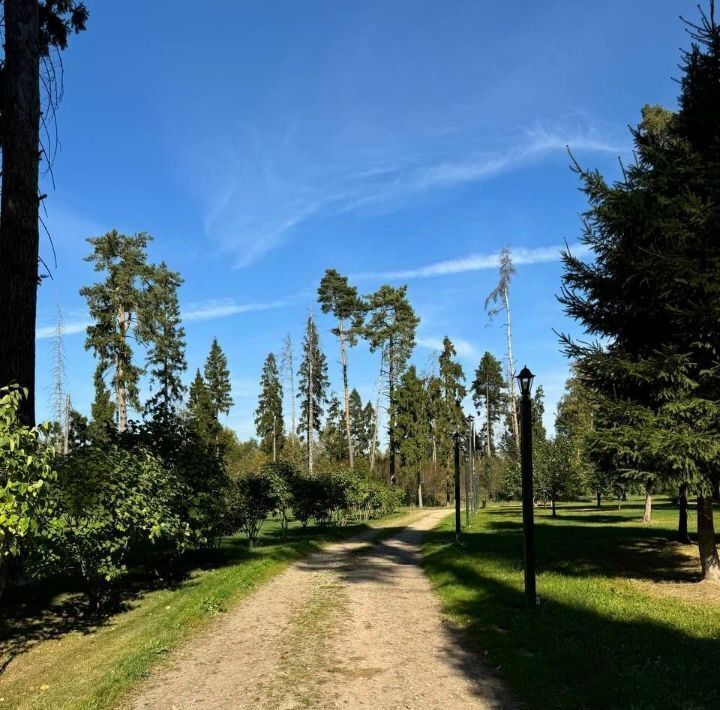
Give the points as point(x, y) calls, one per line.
point(355, 626)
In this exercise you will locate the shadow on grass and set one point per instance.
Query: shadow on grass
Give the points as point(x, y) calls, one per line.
point(591, 654)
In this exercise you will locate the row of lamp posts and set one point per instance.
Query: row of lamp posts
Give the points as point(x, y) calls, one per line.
point(525, 379)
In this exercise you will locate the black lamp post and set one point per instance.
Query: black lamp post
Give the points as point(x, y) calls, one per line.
point(468, 469)
point(525, 378)
point(457, 436)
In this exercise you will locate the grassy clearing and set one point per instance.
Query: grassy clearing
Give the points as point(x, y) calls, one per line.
point(622, 622)
point(58, 660)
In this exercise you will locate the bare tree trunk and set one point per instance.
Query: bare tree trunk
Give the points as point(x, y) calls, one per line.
point(376, 423)
point(554, 510)
point(274, 439)
point(391, 411)
point(310, 415)
point(66, 428)
point(420, 497)
point(343, 358)
point(19, 236)
point(597, 498)
point(683, 536)
point(706, 539)
point(511, 373)
point(647, 515)
point(120, 389)
point(487, 415)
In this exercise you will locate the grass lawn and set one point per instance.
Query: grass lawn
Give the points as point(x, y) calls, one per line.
point(622, 622)
point(59, 660)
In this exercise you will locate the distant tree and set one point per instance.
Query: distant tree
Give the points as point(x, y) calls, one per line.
point(163, 330)
point(117, 306)
point(497, 302)
point(489, 395)
point(313, 384)
point(452, 391)
point(557, 476)
point(287, 367)
point(217, 380)
point(390, 328)
point(30, 30)
point(333, 436)
point(336, 296)
point(361, 421)
point(269, 422)
point(201, 411)
point(413, 429)
point(102, 411)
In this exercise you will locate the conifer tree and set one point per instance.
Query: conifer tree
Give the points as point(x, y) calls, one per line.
point(336, 296)
point(312, 389)
point(217, 380)
point(333, 435)
point(361, 422)
point(452, 390)
point(489, 394)
point(390, 328)
point(117, 306)
point(102, 410)
point(201, 411)
point(269, 414)
point(163, 330)
point(653, 296)
point(287, 367)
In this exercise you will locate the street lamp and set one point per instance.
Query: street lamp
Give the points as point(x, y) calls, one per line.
point(457, 437)
point(468, 468)
point(525, 379)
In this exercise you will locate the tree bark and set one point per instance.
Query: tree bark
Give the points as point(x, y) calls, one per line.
point(552, 503)
point(391, 411)
point(598, 496)
point(511, 373)
point(19, 235)
point(647, 514)
point(420, 497)
point(706, 539)
point(310, 414)
point(682, 535)
point(343, 359)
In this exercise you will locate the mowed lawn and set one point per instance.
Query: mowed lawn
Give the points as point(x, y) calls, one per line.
point(622, 623)
point(55, 658)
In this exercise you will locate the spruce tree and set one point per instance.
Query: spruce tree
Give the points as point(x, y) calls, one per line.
point(217, 380)
point(269, 423)
point(653, 296)
point(117, 306)
point(336, 296)
point(334, 438)
point(312, 389)
point(102, 411)
point(201, 411)
point(361, 424)
point(390, 328)
point(489, 390)
point(165, 334)
point(452, 391)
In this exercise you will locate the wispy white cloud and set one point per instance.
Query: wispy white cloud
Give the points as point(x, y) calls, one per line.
point(464, 348)
point(475, 262)
point(222, 308)
point(72, 328)
point(251, 227)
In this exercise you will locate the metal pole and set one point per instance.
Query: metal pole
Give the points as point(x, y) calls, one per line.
point(527, 499)
point(456, 437)
point(468, 493)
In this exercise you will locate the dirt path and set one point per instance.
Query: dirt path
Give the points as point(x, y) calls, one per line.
point(355, 626)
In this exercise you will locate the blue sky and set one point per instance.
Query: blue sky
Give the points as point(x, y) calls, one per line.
point(404, 142)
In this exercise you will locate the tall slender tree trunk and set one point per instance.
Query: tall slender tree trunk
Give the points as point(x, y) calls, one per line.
point(511, 373)
point(311, 419)
point(706, 539)
point(376, 423)
point(391, 411)
point(120, 388)
point(554, 509)
point(487, 416)
point(346, 393)
point(419, 491)
point(647, 514)
point(683, 536)
point(19, 235)
point(274, 438)
point(598, 498)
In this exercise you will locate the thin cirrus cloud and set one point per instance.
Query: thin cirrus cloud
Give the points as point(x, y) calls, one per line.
point(475, 262)
point(208, 310)
point(463, 348)
point(252, 228)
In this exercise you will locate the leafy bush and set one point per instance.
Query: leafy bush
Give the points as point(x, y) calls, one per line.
point(282, 476)
point(109, 503)
point(25, 471)
point(250, 500)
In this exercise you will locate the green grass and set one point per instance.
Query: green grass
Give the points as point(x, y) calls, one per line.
point(622, 623)
point(59, 661)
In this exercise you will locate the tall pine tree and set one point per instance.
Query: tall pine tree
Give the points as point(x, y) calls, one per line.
point(489, 395)
point(217, 380)
point(312, 389)
point(269, 422)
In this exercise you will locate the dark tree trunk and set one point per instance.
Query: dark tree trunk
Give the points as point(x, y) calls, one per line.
point(391, 412)
point(647, 515)
point(706, 539)
point(554, 511)
point(683, 536)
point(19, 235)
point(598, 497)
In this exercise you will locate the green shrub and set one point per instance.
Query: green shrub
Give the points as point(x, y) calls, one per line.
point(110, 503)
point(25, 471)
point(250, 501)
